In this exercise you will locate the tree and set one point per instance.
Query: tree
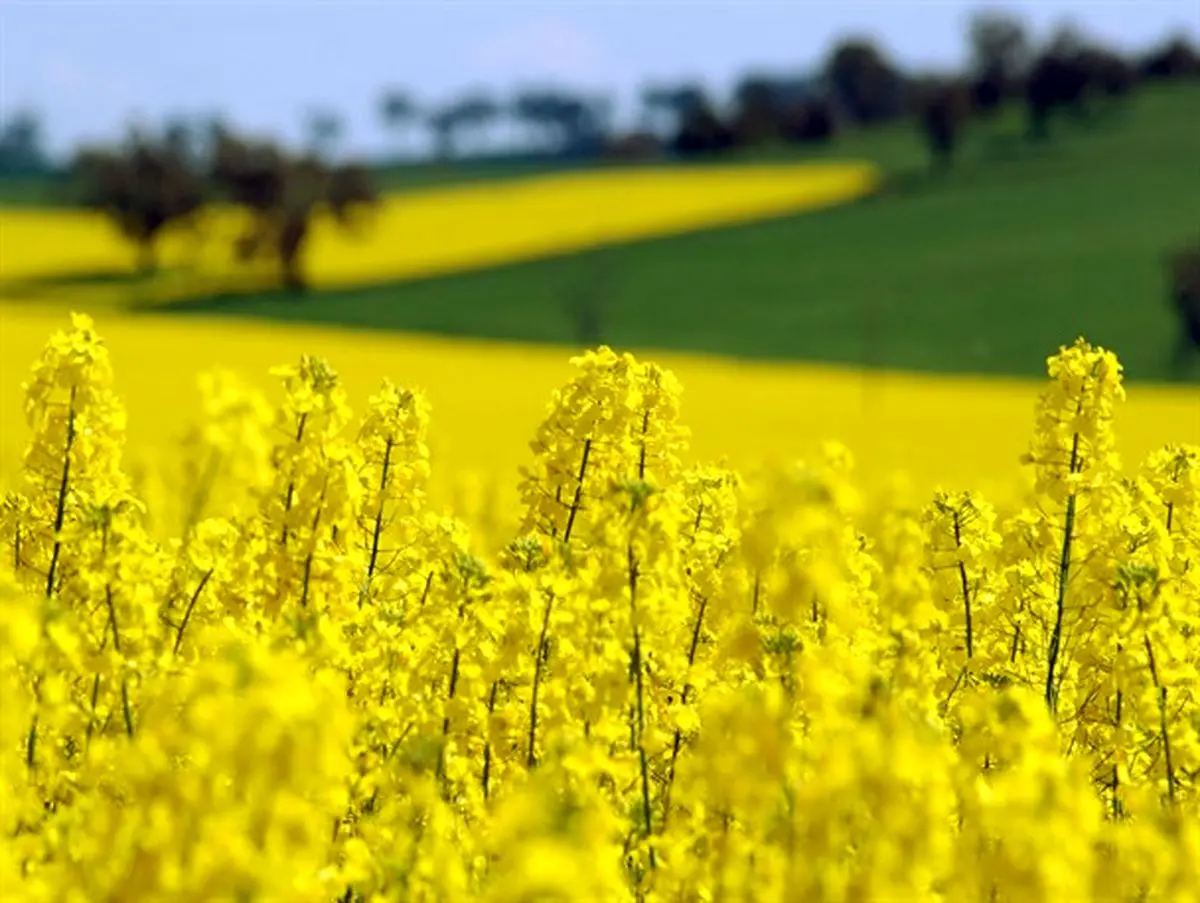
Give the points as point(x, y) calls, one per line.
point(701, 130)
point(1177, 57)
point(398, 110)
point(325, 129)
point(758, 110)
point(184, 138)
point(474, 112)
point(685, 112)
point(444, 123)
point(812, 121)
point(282, 194)
point(665, 106)
point(142, 188)
point(1068, 73)
point(770, 108)
point(1183, 273)
point(1067, 41)
point(657, 112)
point(1108, 72)
point(864, 82)
point(569, 123)
point(943, 105)
point(1000, 53)
point(21, 148)
point(1057, 81)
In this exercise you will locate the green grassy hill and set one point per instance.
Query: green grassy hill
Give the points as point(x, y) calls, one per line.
point(985, 269)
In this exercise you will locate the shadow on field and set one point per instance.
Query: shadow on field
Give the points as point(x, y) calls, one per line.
point(107, 276)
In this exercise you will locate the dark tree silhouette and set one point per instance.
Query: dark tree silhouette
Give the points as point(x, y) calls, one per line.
point(347, 189)
point(1175, 58)
point(282, 194)
point(1183, 273)
point(1058, 80)
point(398, 110)
point(250, 173)
point(758, 110)
point(325, 130)
point(1070, 75)
point(811, 121)
point(658, 112)
point(773, 108)
point(664, 107)
point(142, 190)
point(181, 138)
point(864, 82)
point(474, 112)
point(1108, 73)
point(471, 112)
point(1000, 54)
point(567, 123)
point(701, 130)
point(443, 123)
point(943, 105)
point(21, 148)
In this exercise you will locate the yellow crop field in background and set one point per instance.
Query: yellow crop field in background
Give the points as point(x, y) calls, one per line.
point(444, 230)
point(487, 400)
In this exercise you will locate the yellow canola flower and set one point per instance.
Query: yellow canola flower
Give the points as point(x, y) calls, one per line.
point(934, 430)
point(687, 683)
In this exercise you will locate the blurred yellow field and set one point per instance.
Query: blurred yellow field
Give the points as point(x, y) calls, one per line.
point(488, 399)
point(443, 230)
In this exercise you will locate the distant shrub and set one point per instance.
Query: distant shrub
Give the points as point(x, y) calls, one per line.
point(1057, 81)
point(943, 107)
point(779, 110)
point(811, 122)
point(702, 132)
point(865, 82)
point(758, 116)
point(1069, 76)
point(1175, 59)
point(988, 92)
point(1183, 273)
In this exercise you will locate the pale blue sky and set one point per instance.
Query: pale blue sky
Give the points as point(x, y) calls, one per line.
point(91, 65)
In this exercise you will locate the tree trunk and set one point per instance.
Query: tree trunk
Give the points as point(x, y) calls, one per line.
point(147, 262)
point(291, 244)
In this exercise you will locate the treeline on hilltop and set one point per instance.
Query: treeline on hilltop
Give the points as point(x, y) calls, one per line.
point(857, 85)
point(861, 87)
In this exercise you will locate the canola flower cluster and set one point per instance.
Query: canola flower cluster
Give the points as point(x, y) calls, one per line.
point(672, 684)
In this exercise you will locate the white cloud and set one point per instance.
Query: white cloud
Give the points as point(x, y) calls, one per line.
point(540, 49)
